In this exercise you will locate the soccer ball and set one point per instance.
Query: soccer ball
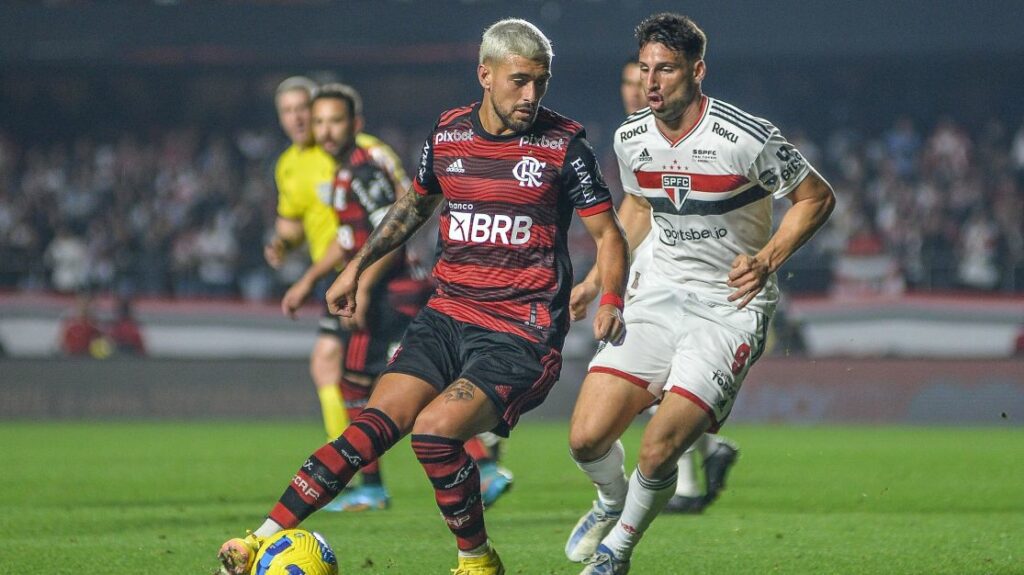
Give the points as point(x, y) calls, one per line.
point(295, 552)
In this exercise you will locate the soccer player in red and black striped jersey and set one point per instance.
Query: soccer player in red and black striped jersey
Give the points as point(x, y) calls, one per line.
point(487, 348)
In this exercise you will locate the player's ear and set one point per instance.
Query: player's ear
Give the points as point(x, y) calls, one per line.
point(359, 123)
point(699, 71)
point(483, 73)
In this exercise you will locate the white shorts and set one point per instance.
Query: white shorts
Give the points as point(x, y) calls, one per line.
point(679, 343)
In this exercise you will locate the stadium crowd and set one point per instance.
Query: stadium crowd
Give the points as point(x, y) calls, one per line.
point(183, 212)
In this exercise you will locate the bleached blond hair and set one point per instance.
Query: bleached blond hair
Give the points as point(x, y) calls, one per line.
point(515, 37)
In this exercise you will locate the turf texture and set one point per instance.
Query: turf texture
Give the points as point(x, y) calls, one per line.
point(134, 498)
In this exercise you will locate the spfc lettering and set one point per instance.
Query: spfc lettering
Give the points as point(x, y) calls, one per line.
point(676, 187)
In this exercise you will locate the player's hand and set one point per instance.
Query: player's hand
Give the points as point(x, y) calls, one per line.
point(274, 252)
point(341, 296)
point(609, 325)
point(580, 298)
point(294, 297)
point(358, 320)
point(748, 276)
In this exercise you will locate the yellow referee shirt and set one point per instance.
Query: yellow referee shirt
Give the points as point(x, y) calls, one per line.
point(304, 178)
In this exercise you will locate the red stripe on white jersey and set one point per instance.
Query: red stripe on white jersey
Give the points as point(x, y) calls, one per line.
point(707, 183)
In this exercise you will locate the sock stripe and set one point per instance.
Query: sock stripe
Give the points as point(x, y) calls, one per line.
point(656, 484)
point(330, 468)
point(282, 516)
point(435, 440)
point(456, 482)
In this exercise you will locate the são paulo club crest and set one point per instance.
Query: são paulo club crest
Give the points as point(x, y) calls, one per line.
point(677, 187)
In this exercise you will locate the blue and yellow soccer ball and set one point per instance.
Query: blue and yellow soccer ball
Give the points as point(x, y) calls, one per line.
point(295, 552)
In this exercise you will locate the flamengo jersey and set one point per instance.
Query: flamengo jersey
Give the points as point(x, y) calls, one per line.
point(303, 176)
point(710, 193)
point(504, 262)
point(361, 195)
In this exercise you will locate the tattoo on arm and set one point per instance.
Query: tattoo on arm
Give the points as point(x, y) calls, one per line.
point(461, 390)
point(401, 222)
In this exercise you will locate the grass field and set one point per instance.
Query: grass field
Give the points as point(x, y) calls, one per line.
point(134, 498)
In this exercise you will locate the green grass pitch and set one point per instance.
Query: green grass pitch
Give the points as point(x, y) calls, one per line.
point(135, 498)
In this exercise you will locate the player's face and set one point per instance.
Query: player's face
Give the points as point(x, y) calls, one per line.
point(671, 83)
point(515, 87)
point(633, 97)
point(293, 113)
point(333, 127)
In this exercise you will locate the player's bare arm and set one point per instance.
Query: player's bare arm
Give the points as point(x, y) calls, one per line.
point(613, 264)
point(635, 217)
point(333, 258)
point(406, 216)
point(368, 280)
point(813, 201)
point(288, 235)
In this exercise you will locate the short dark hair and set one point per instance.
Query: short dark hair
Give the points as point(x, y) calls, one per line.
point(677, 32)
point(343, 92)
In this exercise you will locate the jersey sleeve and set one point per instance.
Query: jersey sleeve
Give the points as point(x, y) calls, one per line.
point(779, 167)
point(582, 180)
point(385, 157)
point(288, 205)
point(426, 182)
point(375, 191)
point(627, 178)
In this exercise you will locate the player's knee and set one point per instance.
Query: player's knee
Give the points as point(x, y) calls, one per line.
point(587, 445)
point(657, 458)
point(434, 422)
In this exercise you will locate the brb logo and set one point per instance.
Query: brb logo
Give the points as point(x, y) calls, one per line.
point(487, 228)
point(528, 171)
point(677, 187)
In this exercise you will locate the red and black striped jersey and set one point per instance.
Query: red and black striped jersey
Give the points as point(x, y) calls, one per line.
point(504, 262)
point(361, 195)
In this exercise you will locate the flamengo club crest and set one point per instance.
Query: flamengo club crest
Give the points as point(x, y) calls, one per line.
point(527, 171)
point(677, 187)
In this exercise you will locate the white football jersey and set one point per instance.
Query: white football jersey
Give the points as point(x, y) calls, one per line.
point(710, 193)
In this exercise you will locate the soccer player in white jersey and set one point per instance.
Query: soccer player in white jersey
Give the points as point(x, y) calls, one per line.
point(715, 453)
point(700, 175)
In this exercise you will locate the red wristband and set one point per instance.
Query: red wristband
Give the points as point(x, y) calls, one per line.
point(613, 299)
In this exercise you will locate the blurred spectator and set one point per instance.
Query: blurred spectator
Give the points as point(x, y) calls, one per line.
point(174, 209)
point(80, 333)
point(68, 258)
point(978, 251)
point(125, 332)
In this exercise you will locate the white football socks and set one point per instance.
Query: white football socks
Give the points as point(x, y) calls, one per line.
point(268, 528)
point(689, 463)
point(608, 474)
point(645, 500)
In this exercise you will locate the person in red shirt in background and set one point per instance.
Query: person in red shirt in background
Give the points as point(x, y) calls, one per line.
point(80, 333)
point(125, 332)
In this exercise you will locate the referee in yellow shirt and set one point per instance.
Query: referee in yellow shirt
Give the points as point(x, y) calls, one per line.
point(304, 175)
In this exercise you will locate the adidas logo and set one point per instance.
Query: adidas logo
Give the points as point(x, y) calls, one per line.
point(456, 167)
point(644, 156)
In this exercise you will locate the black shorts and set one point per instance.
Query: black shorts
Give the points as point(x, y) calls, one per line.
point(367, 351)
point(516, 374)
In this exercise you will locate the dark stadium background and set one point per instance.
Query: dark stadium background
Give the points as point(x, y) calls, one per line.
point(179, 96)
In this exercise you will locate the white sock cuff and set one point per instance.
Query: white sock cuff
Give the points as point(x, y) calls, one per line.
point(617, 452)
point(656, 484)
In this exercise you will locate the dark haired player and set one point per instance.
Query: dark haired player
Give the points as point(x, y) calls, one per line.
point(703, 174)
